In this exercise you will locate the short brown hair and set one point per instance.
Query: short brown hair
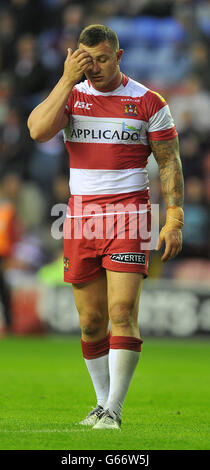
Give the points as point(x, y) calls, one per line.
point(96, 33)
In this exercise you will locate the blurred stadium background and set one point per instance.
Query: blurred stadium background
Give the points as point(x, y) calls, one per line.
point(166, 47)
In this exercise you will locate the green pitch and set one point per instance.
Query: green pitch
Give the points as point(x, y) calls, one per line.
point(45, 390)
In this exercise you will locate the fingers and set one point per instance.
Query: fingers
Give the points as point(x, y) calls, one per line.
point(81, 58)
point(76, 64)
point(173, 244)
point(84, 55)
point(85, 61)
point(169, 254)
point(81, 54)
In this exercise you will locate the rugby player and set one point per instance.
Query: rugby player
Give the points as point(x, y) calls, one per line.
point(111, 125)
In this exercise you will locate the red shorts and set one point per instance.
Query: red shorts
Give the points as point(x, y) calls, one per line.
point(116, 237)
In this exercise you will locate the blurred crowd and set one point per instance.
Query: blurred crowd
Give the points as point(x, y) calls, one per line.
point(166, 46)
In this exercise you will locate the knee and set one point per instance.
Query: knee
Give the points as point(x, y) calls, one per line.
point(122, 314)
point(91, 322)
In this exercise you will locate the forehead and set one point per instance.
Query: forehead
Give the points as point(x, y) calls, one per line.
point(103, 48)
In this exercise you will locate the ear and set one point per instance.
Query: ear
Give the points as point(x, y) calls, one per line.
point(119, 55)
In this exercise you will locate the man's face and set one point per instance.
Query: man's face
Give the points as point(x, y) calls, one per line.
point(104, 72)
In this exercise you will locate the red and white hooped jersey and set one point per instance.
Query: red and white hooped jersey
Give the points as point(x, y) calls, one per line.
point(108, 134)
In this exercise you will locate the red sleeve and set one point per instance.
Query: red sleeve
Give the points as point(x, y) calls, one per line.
point(160, 122)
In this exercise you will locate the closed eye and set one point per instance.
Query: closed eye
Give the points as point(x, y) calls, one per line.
point(102, 59)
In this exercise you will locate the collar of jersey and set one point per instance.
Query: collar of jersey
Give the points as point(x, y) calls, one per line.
point(112, 92)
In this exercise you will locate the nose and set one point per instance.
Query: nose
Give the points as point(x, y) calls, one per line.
point(95, 67)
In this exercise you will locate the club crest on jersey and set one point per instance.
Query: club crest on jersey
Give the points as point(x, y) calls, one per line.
point(66, 264)
point(130, 109)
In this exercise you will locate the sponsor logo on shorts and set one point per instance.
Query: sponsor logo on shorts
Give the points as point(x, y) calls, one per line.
point(130, 258)
point(66, 264)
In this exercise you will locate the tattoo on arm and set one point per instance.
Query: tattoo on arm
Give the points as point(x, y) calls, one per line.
point(166, 153)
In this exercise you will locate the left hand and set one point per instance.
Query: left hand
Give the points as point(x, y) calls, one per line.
point(173, 244)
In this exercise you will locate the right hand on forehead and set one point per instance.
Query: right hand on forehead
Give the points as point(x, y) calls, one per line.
point(76, 64)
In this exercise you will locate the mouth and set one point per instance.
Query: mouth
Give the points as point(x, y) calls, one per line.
point(98, 77)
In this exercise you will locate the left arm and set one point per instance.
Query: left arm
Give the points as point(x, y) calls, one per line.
point(166, 153)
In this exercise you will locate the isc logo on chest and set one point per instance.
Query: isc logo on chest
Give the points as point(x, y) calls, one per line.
point(82, 104)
